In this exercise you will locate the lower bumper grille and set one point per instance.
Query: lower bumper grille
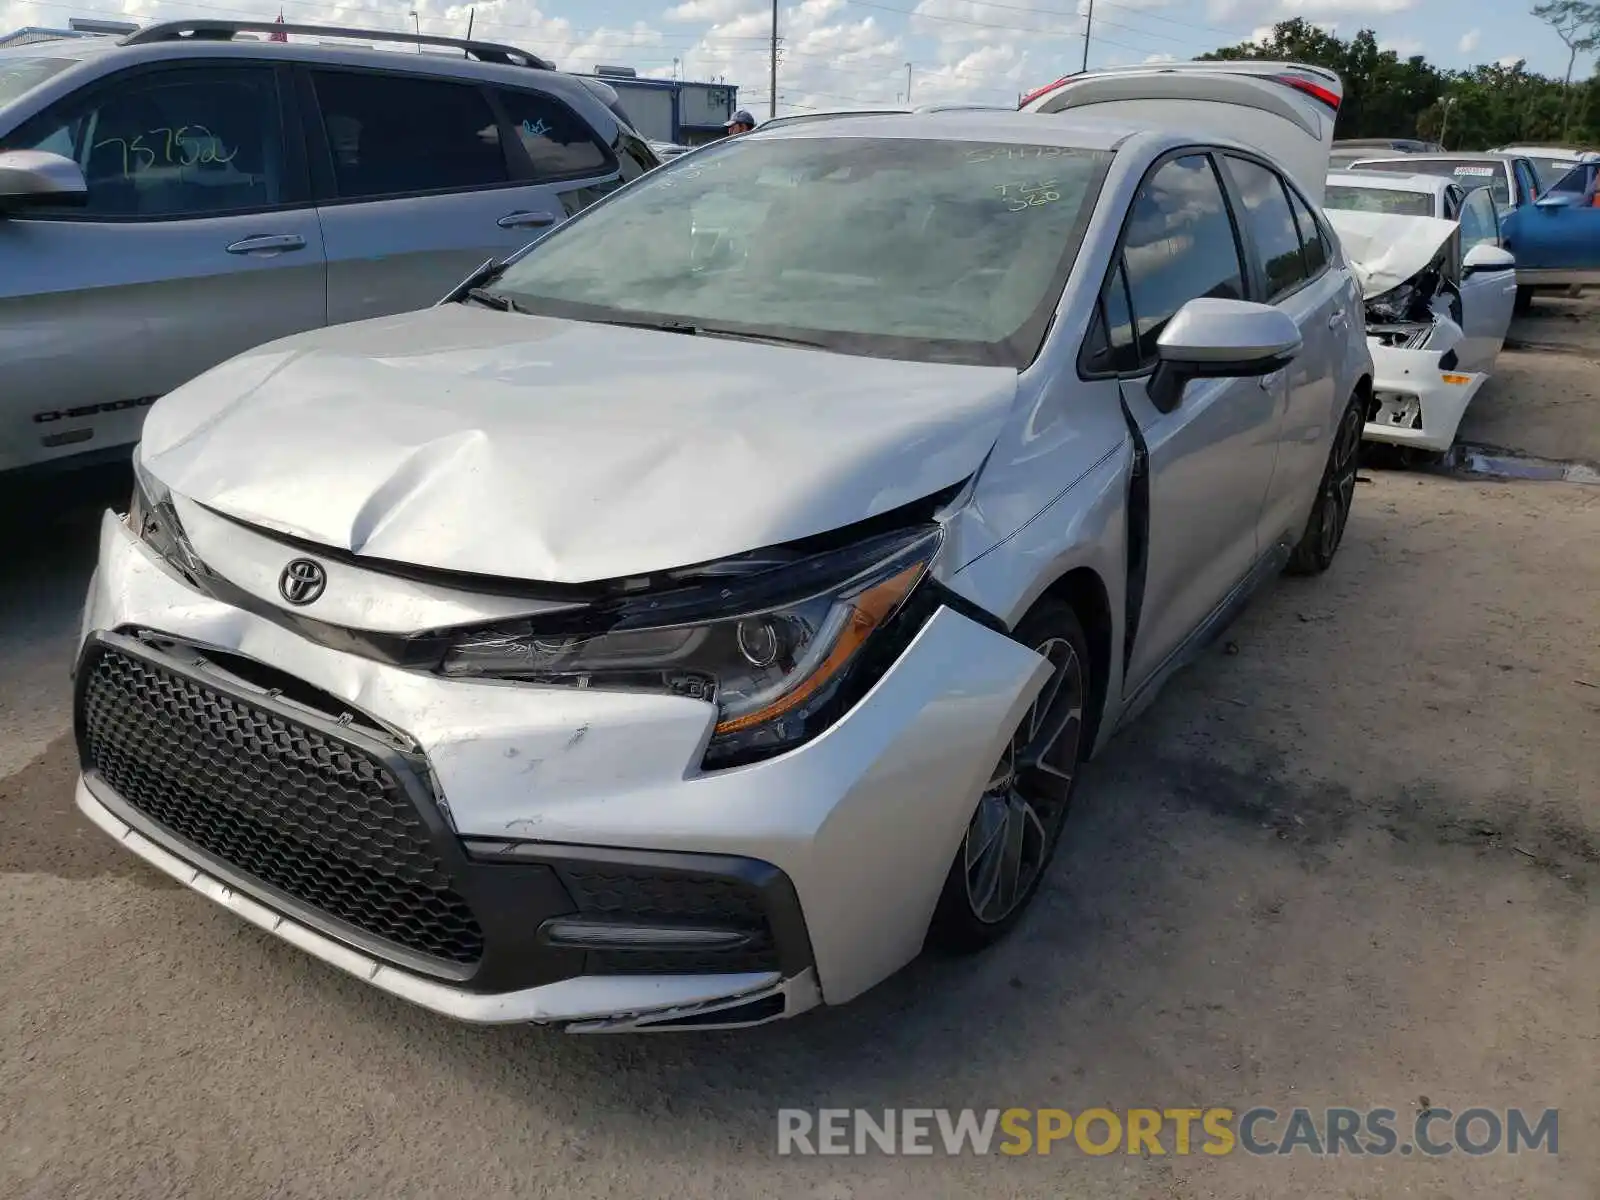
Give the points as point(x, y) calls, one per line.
point(628, 894)
point(321, 820)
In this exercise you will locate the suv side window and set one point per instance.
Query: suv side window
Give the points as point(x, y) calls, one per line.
point(1480, 224)
point(394, 135)
point(1271, 224)
point(557, 141)
point(188, 142)
point(1179, 245)
point(1312, 248)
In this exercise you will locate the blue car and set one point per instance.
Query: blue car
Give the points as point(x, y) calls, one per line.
point(1557, 239)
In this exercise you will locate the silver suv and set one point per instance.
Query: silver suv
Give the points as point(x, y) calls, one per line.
point(174, 197)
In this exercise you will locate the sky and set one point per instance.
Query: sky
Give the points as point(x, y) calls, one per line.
point(862, 53)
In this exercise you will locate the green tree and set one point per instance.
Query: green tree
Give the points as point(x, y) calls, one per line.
point(1488, 105)
point(1577, 24)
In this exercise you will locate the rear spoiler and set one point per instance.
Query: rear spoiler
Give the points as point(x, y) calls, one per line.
point(1301, 78)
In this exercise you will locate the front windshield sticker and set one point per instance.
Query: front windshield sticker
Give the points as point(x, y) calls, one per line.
point(1486, 171)
point(1020, 196)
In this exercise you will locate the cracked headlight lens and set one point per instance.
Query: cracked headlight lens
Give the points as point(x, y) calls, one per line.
point(774, 651)
point(154, 520)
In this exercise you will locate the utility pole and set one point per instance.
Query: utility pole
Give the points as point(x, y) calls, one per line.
point(772, 81)
point(908, 85)
point(1088, 24)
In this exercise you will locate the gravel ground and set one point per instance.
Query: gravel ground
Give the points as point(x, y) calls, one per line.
point(1350, 858)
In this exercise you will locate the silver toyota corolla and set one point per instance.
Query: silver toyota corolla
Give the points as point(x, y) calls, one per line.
point(675, 629)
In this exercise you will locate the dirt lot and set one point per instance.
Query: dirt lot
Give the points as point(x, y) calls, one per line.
point(1351, 858)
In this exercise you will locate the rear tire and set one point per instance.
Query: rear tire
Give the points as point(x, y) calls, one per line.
point(1017, 824)
point(1336, 495)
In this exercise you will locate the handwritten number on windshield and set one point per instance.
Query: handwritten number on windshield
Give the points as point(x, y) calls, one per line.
point(186, 146)
point(1020, 196)
point(988, 153)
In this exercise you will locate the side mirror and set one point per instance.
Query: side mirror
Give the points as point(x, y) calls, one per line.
point(38, 177)
point(1220, 339)
point(1486, 257)
point(1559, 200)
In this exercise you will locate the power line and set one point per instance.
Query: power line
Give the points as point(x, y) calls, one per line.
point(1034, 30)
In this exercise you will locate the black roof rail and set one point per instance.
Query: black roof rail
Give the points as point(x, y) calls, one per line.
point(222, 31)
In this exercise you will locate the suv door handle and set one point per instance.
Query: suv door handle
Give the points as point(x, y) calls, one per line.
point(1269, 381)
point(526, 220)
point(1336, 318)
point(268, 243)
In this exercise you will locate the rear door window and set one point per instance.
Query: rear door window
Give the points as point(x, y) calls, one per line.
point(394, 135)
point(1272, 226)
point(1312, 248)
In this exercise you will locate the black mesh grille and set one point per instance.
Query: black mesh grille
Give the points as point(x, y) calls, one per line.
point(319, 819)
point(654, 897)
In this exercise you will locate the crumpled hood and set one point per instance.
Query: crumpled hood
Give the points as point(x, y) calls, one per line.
point(469, 440)
point(1387, 249)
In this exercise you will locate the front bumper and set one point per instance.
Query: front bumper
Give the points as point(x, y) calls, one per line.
point(850, 835)
point(1418, 405)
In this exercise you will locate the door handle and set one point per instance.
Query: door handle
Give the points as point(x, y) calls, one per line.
point(526, 220)
point(268, 243)
point(1268, 381)
point(1336, 318)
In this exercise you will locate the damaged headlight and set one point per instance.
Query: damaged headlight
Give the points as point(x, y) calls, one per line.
point(154, 520)
point(776, 652)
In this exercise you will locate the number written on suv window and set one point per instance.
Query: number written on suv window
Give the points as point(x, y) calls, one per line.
point(201, 142)
point(556, 141)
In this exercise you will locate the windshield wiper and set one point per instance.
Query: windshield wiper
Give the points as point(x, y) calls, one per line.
point(693, 330)
point(495, 300)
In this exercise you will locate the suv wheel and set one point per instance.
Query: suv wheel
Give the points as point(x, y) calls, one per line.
point(1014, 830)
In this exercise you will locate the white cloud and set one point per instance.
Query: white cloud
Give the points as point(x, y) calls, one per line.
point(706, 10)
point(1306, 8)
point(1510, 60)
point(1468, 42)
point(1155, 58)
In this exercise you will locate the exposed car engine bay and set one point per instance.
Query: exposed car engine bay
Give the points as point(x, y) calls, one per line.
point(1409, 271)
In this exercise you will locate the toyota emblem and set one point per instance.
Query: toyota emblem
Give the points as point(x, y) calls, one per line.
point(302, 581)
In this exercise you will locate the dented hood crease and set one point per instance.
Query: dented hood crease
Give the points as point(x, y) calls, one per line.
point(1386, 249)
point(525, 447)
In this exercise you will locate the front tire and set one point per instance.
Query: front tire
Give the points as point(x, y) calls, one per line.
point(1336, 495)
point(1013, 833)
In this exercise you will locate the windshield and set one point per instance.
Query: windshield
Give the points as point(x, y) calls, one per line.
point(20, 74)
point(940, 251)
point(1378, 200)
point(1575, 182)
point(1469, 173)
point(1549, 170)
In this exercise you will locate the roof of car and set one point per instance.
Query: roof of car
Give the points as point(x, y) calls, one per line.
point(1390, 181)
point(1444, 156)
point(1003, 125)
point(61, 47)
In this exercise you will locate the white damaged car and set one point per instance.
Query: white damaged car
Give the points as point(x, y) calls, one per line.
point(661, 635)
point(1436, 317)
